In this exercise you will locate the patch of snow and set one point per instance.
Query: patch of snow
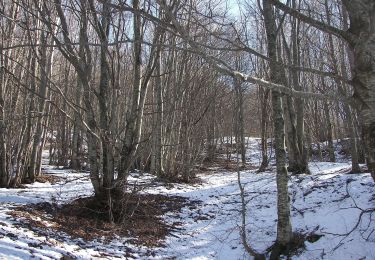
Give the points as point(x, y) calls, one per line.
point(327, 202)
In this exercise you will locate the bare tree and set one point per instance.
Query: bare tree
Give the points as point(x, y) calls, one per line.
point(284, 227)
point(358, 36)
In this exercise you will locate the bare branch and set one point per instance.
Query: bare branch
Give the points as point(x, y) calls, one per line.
point(347, 36)
point(226, 70)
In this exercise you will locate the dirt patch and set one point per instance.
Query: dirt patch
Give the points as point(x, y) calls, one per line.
point(137, 215)
point(295, 247)
point(219, 164)
point(170, 182)
point(48, 178)
point(44, 178)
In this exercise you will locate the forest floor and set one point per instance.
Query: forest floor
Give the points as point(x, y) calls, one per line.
point(330, 207)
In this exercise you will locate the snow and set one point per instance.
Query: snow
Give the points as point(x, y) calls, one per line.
point(327, 202)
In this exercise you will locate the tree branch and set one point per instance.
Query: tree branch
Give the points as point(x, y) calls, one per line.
point(225, 69)
point(345, 35)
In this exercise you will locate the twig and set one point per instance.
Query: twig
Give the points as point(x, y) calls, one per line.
point(363, 212)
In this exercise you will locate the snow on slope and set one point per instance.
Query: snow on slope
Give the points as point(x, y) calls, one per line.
point(326, 202)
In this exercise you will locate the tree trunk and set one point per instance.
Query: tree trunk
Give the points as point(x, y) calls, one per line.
point(43, 70)
point(135, 111)
point(239, 124)
point(75, 161)
point(157, 148)
point(106, 141)
point(264, 122)
point(348, 118)
point(294, 108)
point(63, 132)
point(4, 174)
point(362, 24)
point(329, 133)
point(211, 131)
point(284, 227)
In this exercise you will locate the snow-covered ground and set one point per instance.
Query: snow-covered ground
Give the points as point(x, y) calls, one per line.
point(328, 202)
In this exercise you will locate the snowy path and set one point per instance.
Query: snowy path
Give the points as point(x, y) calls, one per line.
point(209, 230)
point(320, 204)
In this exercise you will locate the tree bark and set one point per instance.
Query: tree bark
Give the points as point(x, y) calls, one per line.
point(361, 38)
point(239, 120)
point(44, 60)
point(348, 118)
point(362, 23)
point(284, 227)
point(329, 133)
point(157, 148)
point(294, 108)
point(4, 174)
point(264, 96)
